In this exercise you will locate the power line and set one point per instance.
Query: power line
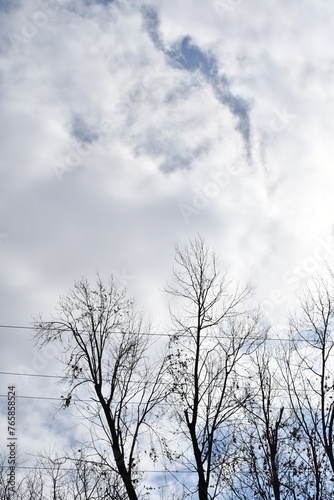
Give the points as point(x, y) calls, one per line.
point(21, 327)
point(185, 334)
point(34, 375)
point(4, 467)
point(17, 396)
point(59, 377)
point(63, 399)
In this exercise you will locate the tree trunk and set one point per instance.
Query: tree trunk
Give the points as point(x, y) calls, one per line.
point(118, 456)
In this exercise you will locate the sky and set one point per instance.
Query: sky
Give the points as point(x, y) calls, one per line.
point(128, 127)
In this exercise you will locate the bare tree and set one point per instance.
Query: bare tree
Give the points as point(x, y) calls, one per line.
point(53, 478)
point(313, 467)
point(308, 373)
point(5, 487)
point(268, 468)
point(89, 479)
point(83, 476)
point(34, 486)
point(105, 347)
point(211, 337)
point(76, 476)
point(313, 340)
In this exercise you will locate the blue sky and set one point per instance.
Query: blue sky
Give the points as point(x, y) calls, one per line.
point(128, 126)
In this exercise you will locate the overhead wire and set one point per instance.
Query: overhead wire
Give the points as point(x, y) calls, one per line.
point(63, 399)
point(30, 467)
point(185, 334)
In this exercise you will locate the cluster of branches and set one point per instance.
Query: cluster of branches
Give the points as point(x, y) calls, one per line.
point(77, 477)
point(238, 418)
